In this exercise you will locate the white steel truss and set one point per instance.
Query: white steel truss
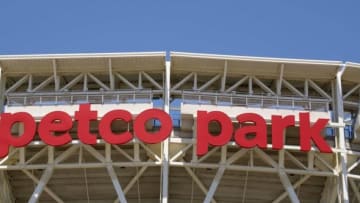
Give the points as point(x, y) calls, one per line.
point(338, 168)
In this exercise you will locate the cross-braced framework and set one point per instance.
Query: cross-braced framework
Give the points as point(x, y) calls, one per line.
point(172, 171)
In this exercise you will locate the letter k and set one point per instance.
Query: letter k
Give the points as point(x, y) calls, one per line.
point(308, 133)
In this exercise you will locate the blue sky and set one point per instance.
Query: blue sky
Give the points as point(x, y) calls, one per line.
point(297, 29)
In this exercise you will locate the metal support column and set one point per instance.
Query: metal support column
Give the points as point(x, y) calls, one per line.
point(165, 151)
point(2, 88)
point(341, 138)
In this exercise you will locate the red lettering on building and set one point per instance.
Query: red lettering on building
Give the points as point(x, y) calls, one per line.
point(254, 125)
point(153, 137)
point(7, 139)
point(204, 138)
point(54, 129)
point(105, 127)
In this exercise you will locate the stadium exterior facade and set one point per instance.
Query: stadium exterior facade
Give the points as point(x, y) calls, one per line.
point(171, 170)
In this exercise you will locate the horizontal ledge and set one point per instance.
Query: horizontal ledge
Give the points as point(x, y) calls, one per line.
point(253, 168)
point(77, 165)
point(82, 55)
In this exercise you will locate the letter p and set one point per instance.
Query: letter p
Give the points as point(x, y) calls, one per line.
point(204, 137)
point(7, 139)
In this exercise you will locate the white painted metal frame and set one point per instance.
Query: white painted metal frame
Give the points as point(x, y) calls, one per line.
point(316, 164)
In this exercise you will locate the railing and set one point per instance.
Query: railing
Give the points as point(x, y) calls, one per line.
point(256, 101)
point(68, 98)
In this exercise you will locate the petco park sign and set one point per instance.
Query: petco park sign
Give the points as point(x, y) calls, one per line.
point(54, 128)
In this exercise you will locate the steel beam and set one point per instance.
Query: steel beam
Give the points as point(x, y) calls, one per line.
point(41, 185)
point(195, 85)
point(198, 182)
point(292, 88)
point(218, 176)
point(180, 152)
point(250, 85)
point(151, 152)
point(210, 82)
point(354, 165)
point(214, 184)
point(288, 187)
point(30, 83)
point(96, 80)
point(223, 79)
point(133, 181)
point(152, 81)
point(124, 80)
point(111, 75)
point(109, 167)
point(56, 76)
point(237, 155)
point(326, 164)
point(12, 153)
point(296, 185)
point(295, 160)
point(17, 84)
point(329, 193)
point(85, 82)
point(121, 151)
point(193, 142)
point(280, 80)
point(94, 152)
point(263, 86)
point(351, 91)
point(72, 82)
point(355, 189)
point(116, 184)
point(183, 81)
point(306, 88)
point(43, 84)
point(319, 89)
point(207, 155)
point(46, 189)
point(237, 84)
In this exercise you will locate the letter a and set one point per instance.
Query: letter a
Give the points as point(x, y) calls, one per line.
point(259, 128)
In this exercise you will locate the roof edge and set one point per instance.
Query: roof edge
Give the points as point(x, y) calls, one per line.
point(82, 55)
point(353, 64)
point(255, 59)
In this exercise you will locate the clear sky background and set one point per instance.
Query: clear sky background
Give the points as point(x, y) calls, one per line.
point(312, 29)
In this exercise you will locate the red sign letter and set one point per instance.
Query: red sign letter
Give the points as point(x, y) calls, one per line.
point(105, 127)
point(278, 126)
point(308, 133)
point(152, 138)
point(204, 138)
point(7, 139)
point(84, 116)
point(259, 128)
point(57, 121)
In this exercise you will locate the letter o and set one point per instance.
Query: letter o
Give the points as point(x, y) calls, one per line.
point(156, 137)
